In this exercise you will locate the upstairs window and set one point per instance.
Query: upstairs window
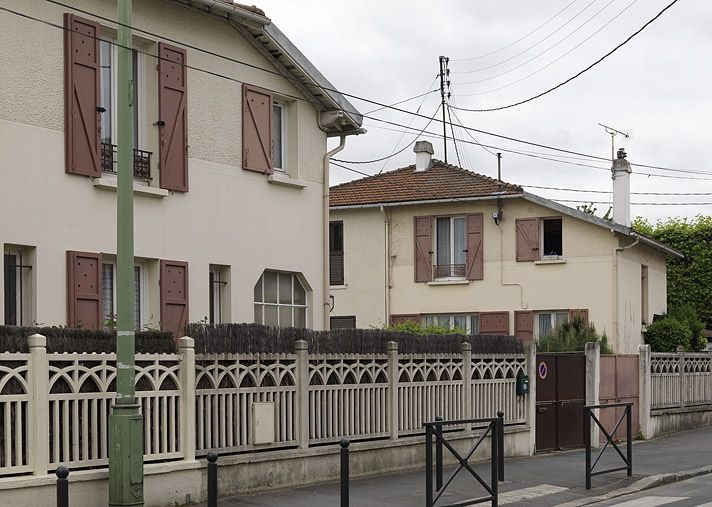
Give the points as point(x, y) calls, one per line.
point(450, 247)
point(279, 136)
point(17, 288)
point(552, 244)
point(336, 253)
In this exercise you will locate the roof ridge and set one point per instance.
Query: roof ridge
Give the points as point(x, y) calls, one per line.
point(480, 175)
point(373, 176)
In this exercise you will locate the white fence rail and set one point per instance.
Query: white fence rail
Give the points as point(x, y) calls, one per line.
point(680, 380)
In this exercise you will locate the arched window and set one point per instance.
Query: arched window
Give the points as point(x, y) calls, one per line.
point(280, 300)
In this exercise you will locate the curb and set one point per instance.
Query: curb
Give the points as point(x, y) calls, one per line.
point(650, 482)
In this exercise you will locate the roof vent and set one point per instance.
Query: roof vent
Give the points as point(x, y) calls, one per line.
point(423, 155)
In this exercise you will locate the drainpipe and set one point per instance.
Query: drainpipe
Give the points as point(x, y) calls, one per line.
point(615, 288)
point(387, 267)
point(325, 231)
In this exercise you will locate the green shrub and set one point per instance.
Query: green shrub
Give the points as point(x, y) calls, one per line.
point(572, 336)
point(667, 334)
point(412, 327)
point(687, 314)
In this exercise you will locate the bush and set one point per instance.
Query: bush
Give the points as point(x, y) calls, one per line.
point(687, 314)
point(667, 334)
point(411, 327)
point(572, 336)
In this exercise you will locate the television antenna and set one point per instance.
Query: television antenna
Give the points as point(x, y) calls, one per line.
point(613, 132)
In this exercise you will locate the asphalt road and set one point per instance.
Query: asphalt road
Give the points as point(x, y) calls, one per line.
point(695, 492)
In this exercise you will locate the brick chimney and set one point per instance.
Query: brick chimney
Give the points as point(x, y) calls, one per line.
point(621, 189)
point(423, 155)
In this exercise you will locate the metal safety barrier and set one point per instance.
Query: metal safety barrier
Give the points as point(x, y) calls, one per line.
point(62, 486)
point(212, 479)
point(588, 415)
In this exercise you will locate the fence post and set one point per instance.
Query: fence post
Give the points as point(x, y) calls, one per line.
point(186, 348)
point(38, 418)
point(644, 390)
point(344, 455)
point(62, 486)
point(500, 445)
point(428, 466)
point(495, 461)
point(593, 384)
point(392, 410)
point(681, 354)
point(530, 355)
point(302, 349)
point(466, 349)
point(438, 454)
point(587, 440)
point(629, 438)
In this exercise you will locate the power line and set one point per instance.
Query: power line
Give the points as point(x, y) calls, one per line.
point(608, 191)
point(639, 203)
point(578, 73)
point(405, 100)
point(349, 168)
point(454, 138)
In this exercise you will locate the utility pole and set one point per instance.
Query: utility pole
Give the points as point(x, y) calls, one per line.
point(499, 166)
point(444, 82)
point(613, 132)
point(125, 421)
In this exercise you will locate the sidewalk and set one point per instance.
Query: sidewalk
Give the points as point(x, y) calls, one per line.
point(542, 480)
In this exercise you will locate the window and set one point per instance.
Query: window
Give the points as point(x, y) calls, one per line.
point(280, 300)
point(552, 245)
point(469, 323)
point(17, 288)
point(218, 279)
point(547, 321)
point(343, 322)
point(336, 253)
point(644, 294)
point(108, 296)
point(450, 249)
point(279, 136)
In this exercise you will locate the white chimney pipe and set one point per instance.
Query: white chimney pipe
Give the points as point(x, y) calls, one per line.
point(621, 189)
point(423, 155)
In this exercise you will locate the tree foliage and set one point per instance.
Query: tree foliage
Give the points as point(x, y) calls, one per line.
point(572, 336)
point(666, 335)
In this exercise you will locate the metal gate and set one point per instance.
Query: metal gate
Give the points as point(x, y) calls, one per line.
point(560, 398)
point(619, 383)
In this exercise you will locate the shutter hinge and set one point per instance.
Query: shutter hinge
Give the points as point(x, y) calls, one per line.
point(159, 123)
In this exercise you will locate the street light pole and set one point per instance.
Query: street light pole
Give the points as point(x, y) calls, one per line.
point(125, 421)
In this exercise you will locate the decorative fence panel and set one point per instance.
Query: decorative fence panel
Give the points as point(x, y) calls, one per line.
point(15, 437)
point(494, 387)
point(679, 380)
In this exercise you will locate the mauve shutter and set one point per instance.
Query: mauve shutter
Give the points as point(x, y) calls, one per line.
point(84, 290)
point(475, 260)
point(579, 312)
point(527, 239)
point(495, 323)
point(423, 254)
point(172, 111)
point(82, 119)
point(524, 324)
point(174, 297)
point(256, 129)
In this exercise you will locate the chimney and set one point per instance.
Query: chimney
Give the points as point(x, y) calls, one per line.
point(423, 155)
point(621, 189)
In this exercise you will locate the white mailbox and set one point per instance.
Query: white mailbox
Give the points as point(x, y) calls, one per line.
point(262, 423)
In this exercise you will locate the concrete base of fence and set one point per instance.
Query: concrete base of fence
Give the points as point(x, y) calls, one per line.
point(670, 420)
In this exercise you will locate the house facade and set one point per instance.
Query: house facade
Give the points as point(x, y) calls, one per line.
point(436, 244)
point(230, 143)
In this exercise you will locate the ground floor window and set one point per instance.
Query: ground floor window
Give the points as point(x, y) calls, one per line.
point(280, 300)
point(462, 321)
point(17, 288)
point(218, 279)
point(108, 299)
point(547, 321)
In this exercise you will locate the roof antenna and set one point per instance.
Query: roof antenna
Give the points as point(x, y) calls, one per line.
point(613, 132)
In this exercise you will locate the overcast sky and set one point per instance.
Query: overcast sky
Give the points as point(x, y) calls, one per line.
point(655, 87)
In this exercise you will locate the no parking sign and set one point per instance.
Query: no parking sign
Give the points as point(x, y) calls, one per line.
point(543, 370)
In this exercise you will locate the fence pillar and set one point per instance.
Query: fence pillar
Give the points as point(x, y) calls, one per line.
point(681, 355)
point(593, 384)
point(644, 390)
point(392, 350)
point(301, 347)
point(186, 348)
point(466, 349)
point(530, 356)
point(39, 404)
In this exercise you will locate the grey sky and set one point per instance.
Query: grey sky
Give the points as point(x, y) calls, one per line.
point(655, 87)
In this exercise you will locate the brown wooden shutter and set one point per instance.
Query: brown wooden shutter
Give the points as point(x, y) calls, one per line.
point(524, 324)
point(336, 253)
point(343, 322)
point(402, 319)
point(527, 239)
point(494, 323)
point(84, 290)
point(475, 259)
point(580, 312)
point(423, 249)
point(173, 112)
point(82, 120)
point(256, 129)
point(174, 297)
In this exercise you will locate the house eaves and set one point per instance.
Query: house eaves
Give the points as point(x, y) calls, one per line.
point(342, 118)
point(490, 197)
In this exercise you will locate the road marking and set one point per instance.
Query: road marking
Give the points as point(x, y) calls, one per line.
point(651, 501)
point(518, 495)
point(708, 504)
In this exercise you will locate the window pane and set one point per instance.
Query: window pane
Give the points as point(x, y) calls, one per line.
point(300, 317)
point(429, 320)
point(270, 281)
point(105, 50)
point(336, 236)
point(271, 315)
point(258, 290)
point(258, 314)
point(475, 324)
point(553, 244)
point(107, 292)
point(10, 289)
point(285, 316)
point(285, 289)
point(544, 324)
point(300, 295)
point(459, 232)
point(277, 137)
point(443, 242)
point(560, 318)
point(460, 322)
point(444, 320)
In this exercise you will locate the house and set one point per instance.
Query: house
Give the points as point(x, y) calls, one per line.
point(231, 124)
point(437, 244)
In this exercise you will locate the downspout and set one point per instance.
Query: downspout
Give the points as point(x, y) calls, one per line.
point(387, 266)
point(325, 230)
point(615, 288)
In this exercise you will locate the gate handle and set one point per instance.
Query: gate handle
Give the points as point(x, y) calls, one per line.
point(541, 410)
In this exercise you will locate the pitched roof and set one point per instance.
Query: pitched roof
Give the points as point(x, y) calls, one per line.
point(441, 182)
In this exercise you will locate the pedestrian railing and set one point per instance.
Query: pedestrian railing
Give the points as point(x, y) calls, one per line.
point(588, 416)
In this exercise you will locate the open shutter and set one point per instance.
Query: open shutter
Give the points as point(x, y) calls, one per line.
point(579, 312)
point(172, 112)
point(475, 260)
point(423, 253)
point(527, 239)
point(84, 290)
point(402, 319)
point(174, 297)
point(524, 324)
point(343, 323)
point(336, 253)
point(82, 119)
point(496, 323)
point(256, 129)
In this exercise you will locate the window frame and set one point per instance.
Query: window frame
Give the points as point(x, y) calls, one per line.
point(451, 263)
point(284, 111)
point(142, 288)
point(552, 322)
point(342, 281)
point(263, 304)
point(24, 304)
point(434, 319)
point(219, 282)
point(542, 250)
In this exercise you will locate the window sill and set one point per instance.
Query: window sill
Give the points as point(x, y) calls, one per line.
point(453, 281)
point(551, 261)
point(338, 287)
point(111, 184)
point(284, 180)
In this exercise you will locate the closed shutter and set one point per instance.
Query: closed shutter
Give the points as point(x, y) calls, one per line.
point(402, 319)
point(494, 323)
point(82, 118)
point(336, 253)
point(475, 260)
point(172, 111)
point(423, 253)
point(579, 312)
point(527, 239)
point(174, 297)
point(524, 324)
point(84, 290)
point(256, 129)
point(343, 322)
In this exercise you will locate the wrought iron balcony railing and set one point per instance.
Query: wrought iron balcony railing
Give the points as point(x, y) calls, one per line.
point(449, 271)
point(141, 162)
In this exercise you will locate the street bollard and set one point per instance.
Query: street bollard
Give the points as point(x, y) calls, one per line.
point(500, 445)
point(438, 454)
point(212, 479)
point(344, 472)
point(62, 486)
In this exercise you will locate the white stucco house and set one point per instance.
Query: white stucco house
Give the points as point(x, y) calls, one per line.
point(230, 165)
point(435, 243)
